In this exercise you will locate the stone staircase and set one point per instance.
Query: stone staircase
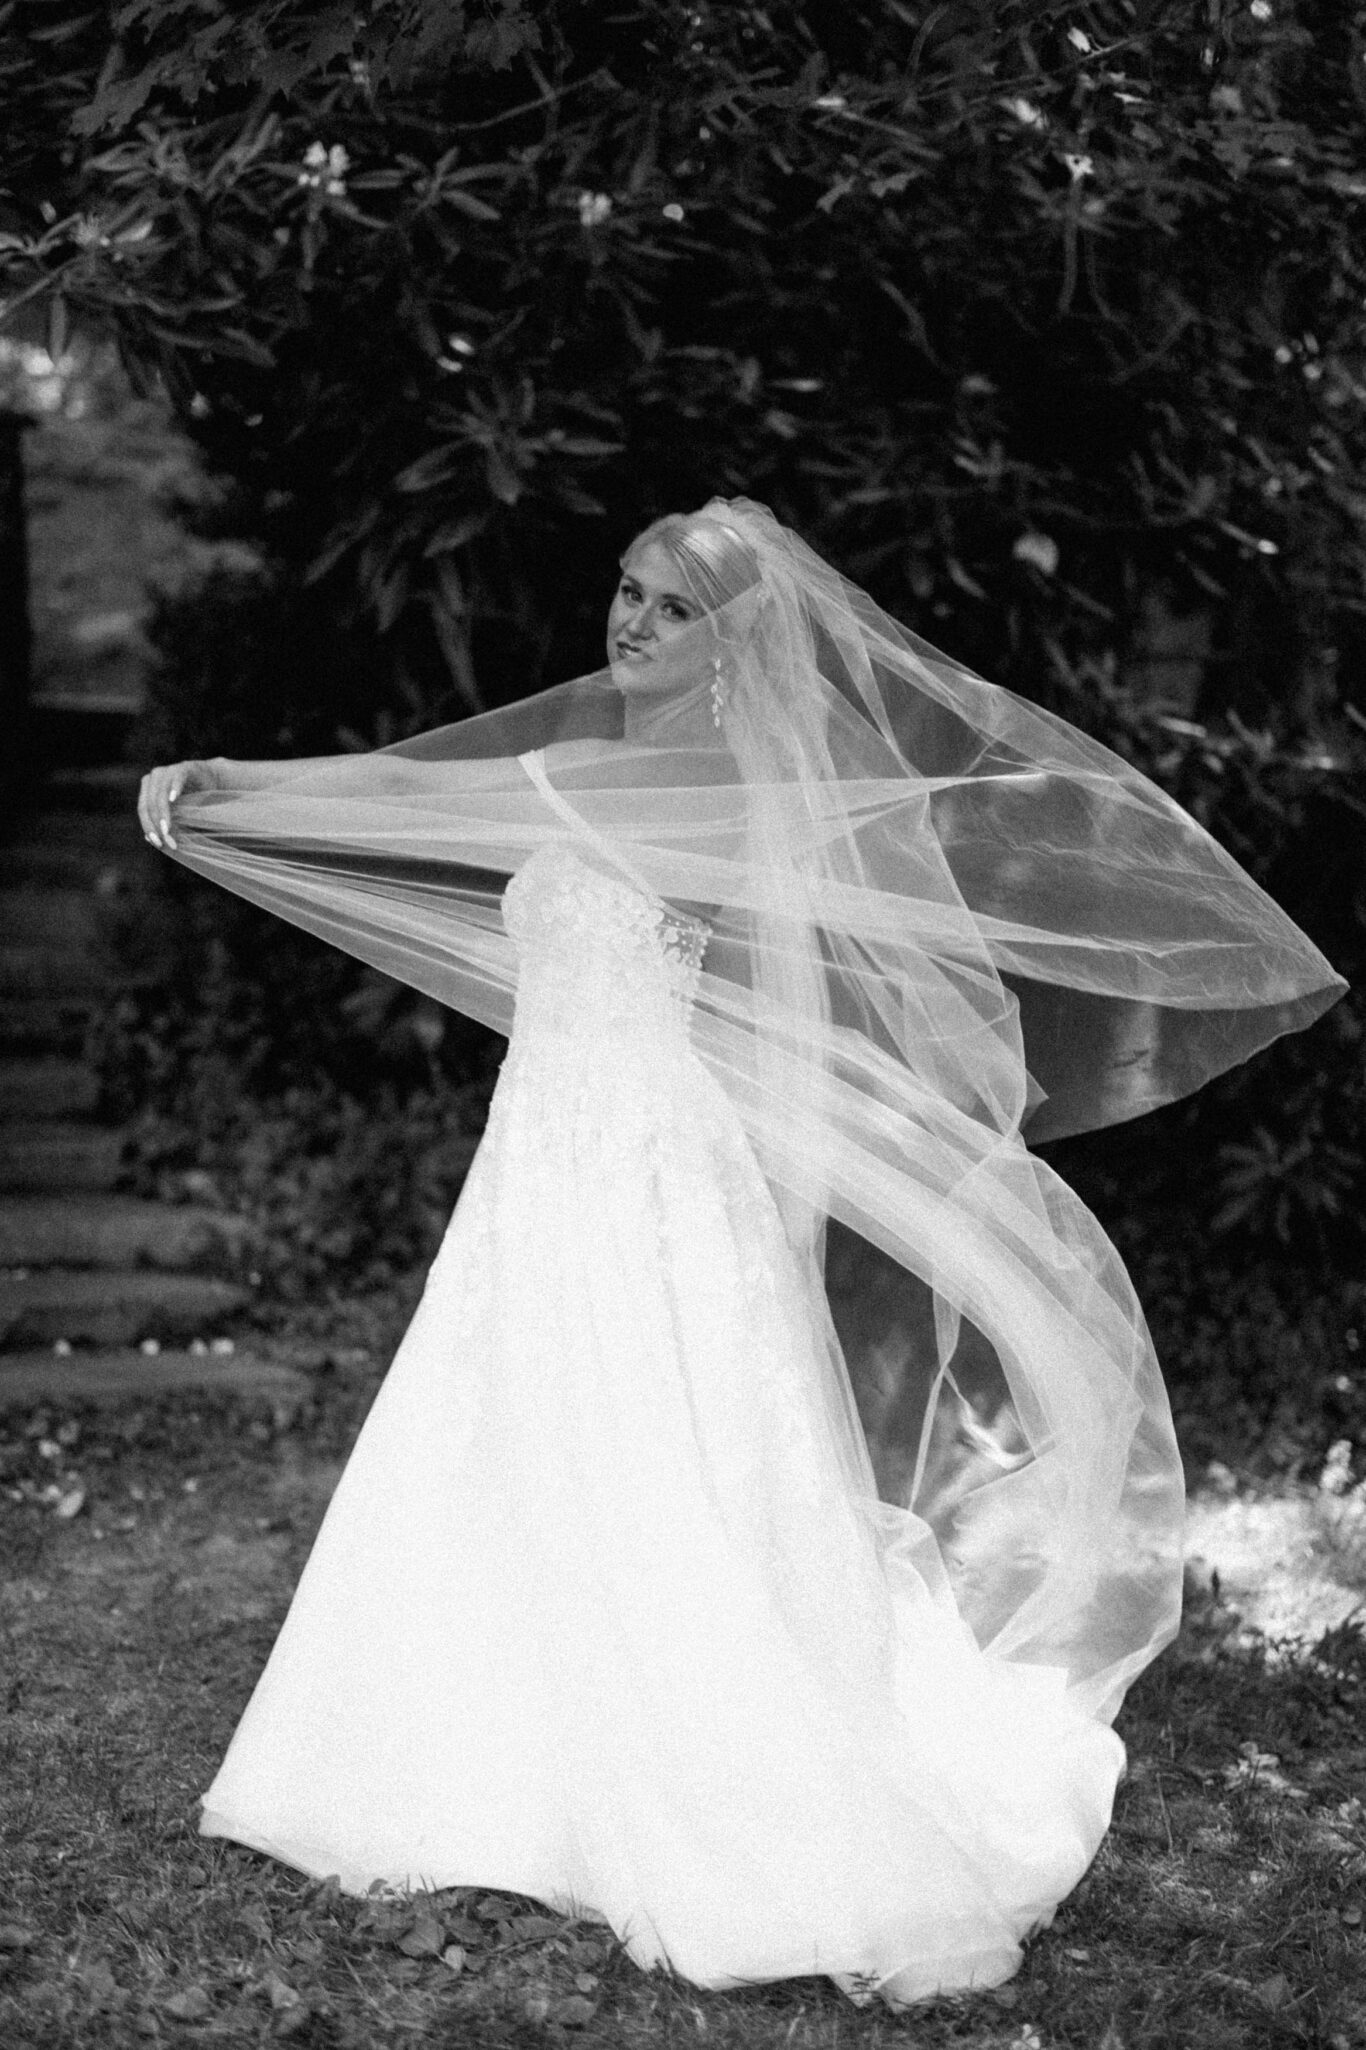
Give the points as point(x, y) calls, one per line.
point(89, 1276)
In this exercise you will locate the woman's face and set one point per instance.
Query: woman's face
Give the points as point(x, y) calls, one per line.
point(652, 606)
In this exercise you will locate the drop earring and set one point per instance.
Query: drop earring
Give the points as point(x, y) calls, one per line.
point(717, 693)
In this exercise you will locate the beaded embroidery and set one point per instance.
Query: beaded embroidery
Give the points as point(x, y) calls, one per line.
point(559, 900)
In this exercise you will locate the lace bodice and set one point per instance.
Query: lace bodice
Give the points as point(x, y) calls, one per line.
point(598, 955)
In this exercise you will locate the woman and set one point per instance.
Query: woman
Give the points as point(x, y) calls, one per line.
point(620, 1602)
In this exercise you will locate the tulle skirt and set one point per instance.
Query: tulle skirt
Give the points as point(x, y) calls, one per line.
point(595, 1617)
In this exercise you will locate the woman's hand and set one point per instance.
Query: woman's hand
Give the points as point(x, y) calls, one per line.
point(158, 792)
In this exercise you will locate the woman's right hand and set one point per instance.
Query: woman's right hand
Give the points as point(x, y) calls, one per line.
point(158, 792)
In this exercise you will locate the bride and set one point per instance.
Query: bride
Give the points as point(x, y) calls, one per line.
point(624, 1602)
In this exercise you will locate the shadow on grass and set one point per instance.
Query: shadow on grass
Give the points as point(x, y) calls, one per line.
point(1223, 1910)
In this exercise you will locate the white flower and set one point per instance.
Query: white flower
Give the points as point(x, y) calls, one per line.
point(1337, 1471)
point(458, 347)
point(1261, 10)
point(1079, 167)
point(594, 208)
point(1025, 112)
point(673, 212)
point(1079, 39)
point(325, 169)
point(1041, 550)
point(831, 103)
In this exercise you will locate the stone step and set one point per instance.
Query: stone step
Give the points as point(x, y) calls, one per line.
point(65, 968)
point(69, 918)
point(53, 1153)
point(109, 1377)
point(118, 697)
point(104, 871)
point(117, 1231)
point(48, 1024)
point(112, 832)
point(47, 1089)
point(110, 787)
point(87, 1306)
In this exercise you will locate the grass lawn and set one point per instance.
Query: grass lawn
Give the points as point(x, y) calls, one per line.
point(1226, 1907)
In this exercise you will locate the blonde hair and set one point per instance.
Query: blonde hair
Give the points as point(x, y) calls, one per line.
point(716, 560)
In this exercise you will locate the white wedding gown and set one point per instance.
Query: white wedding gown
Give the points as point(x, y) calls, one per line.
point(592, 1616)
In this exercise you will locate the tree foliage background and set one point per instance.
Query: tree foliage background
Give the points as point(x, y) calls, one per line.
point(1042, 318)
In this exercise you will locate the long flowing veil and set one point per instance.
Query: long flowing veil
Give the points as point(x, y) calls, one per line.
point(943, 922)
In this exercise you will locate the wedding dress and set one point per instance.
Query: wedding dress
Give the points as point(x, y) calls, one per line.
point(636, 1596)
point(593, 1616)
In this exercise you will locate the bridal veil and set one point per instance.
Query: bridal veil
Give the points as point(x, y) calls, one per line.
point(944, 923)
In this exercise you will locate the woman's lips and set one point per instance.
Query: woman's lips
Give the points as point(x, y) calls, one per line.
point(629, 652)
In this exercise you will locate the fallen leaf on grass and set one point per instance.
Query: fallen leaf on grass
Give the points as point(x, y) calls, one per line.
point(491, 1909)
point(424, 1939)
point(70, 1504)
point(453, 1958)
point(1273, 1992)
point(573, 2012)
point(283, 1997)
point(97, 1980)
point(13, 1936)
point(192, 2005)
point(532, 1928)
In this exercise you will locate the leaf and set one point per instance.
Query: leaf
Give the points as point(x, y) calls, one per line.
point(115, 103)
point(453, 1958)
point(575, 2011)
point(13, 1936)
point(424, 1939)
point(283, 1997)
point(193, 2005)
point(454, 534)
point(586, 445)
point(533, 1928)
point(97, 1980)
point(434, 467)
point(70, 1504)
point(466, 203)
point(503, 479)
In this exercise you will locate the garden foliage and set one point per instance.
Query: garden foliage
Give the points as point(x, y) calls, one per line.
point(1043, 318)
point(1019, 311)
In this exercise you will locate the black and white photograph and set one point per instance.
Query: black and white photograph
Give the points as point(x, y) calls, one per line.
point(683, 1024)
